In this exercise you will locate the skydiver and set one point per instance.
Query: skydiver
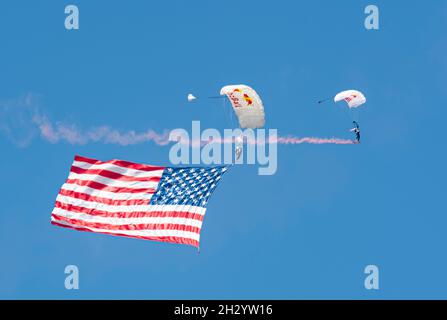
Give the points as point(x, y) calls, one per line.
point(239, 142)
point(356, 130)
point(238, 152)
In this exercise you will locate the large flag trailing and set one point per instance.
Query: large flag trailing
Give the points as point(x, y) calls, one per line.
point(136, 200)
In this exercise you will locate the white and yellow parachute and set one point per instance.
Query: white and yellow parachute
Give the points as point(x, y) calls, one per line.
point(246, 104)
point(353, 98)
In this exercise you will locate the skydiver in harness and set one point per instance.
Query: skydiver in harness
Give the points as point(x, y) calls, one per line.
point(356, 130)
point(239, 146)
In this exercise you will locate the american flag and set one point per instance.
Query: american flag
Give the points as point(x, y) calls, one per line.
point(136, 200)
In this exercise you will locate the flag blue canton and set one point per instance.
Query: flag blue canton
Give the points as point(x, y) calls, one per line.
point(187, 186)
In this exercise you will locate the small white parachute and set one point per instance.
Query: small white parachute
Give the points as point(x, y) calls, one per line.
point(246, 104)
point(353, 98)
point(191, 97)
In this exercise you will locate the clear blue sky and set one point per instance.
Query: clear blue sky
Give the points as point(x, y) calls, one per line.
point(306, 232)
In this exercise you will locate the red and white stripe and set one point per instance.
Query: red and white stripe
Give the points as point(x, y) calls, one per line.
point(112, 197)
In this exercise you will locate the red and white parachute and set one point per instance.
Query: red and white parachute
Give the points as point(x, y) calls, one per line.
point(353, 98)
point(246, 104)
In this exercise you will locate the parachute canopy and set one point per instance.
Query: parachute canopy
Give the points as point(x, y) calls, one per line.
point(353, 98)
point(191, 97)
point(246, 104)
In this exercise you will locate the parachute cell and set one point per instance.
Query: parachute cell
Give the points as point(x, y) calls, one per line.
point(353, 98)
point(246, 104)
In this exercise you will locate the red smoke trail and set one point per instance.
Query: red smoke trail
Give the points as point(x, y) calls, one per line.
point(311, 140)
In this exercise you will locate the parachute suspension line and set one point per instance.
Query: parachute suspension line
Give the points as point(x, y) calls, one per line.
point(324, 100)
point(229, 119)
point(239, 141)
point(348, 114)
point(230, 113)
point(355, 115)
point(216, 97)
point(225, 112)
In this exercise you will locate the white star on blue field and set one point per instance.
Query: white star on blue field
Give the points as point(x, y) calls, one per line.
point(308, 231)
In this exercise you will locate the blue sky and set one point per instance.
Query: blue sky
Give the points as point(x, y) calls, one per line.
point(306, 232)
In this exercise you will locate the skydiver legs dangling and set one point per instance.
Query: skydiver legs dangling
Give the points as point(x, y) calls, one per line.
point(356, 130)
point(357, 136)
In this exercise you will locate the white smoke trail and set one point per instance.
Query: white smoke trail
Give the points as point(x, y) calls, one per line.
point(21, 119)
point(311, 140)
point(286, 140)
point(16, 120)
point(104, 134)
